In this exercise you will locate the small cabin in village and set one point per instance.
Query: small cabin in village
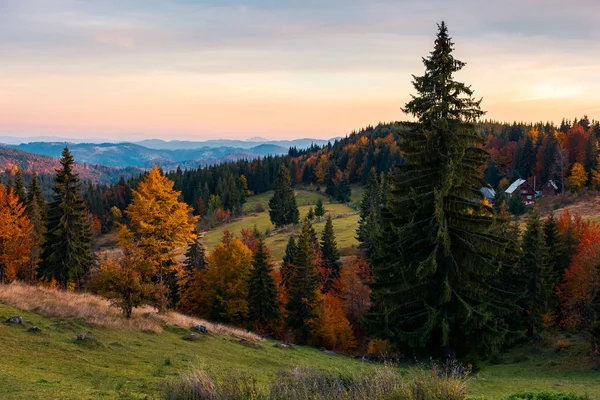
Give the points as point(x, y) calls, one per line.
point(488, 193)
point(549, 188)
point(522, 188)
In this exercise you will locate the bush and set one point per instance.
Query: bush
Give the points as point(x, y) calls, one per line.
point(561, 345)
point(546, 396)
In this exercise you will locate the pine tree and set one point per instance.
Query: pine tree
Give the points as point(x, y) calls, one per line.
point(368, 224)
point(434, 276)
point(66, 254)
point(311, 214)
point(262, 292)
point(591, 155)
point(287, 264)
point(35, 210)
point(304, 287)
point(319, 209)
point(20, 187)
point(567, 248)
point(330, 256)
point(536, 270)
point(283, 207)
point(195, 256)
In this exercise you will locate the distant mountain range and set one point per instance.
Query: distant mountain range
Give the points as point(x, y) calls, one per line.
point(168, 154)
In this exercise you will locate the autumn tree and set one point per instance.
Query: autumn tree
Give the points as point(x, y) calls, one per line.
point(330, 256)
point(262, 292)
point(225, 282)
point(434, 276)
point(67, 254)
point(283, 208)
point(160, 224)
point(355, 293)
point(120, 279)
point(330, 327)
point(304, 293)
point(578, 177)
point(15, 235)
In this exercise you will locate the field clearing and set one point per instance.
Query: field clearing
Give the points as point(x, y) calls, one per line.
point(345, 222)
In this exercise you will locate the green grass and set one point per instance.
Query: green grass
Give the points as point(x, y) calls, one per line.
point(130, 364)
point(344, 223)
point(127, 364)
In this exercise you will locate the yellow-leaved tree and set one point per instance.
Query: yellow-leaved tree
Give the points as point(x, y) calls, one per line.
point(578, 177)
point(160, 225)
point(15, 235)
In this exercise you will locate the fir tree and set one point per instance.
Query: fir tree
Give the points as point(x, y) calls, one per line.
point(368, 224)
point(287, 264)
point(567, 248)
point(67, 254)
point(516, 205)
point(536, 270)
point(311, 214)
point(35, 211)
point(434, 278)
point(195, 256)
point(262, 291)
point(591, 155)
point(20, 187)
point(319, 209)
point(330, 256)
point(304, 287)
point(283, 207)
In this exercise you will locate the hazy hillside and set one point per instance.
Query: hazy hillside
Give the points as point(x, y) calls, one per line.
point(242, 144)
point(130, 154)
point(29, 162)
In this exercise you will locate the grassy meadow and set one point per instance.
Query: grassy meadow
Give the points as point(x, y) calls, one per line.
point(134, 359)
point(256, 213)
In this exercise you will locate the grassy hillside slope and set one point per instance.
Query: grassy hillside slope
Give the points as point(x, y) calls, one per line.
point(256, 209)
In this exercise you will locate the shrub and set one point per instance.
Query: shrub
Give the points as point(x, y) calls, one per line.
point(378, 347)
point(561, 345)
point(259, 208)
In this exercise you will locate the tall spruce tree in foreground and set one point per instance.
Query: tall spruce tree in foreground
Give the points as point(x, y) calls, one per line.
point(304, 286)
point(330, 255)
point(283, 207)
point(67, 254)
point(536, 270)
point(35, 211)
point(262, 291)
point(434, 275)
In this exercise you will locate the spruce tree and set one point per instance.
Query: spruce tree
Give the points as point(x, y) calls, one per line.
point(552, 239)
point(319, 209)
point(537, 271)
point(36, 212)
point(195, 256)
point(283, 207)
point(20, 190)
point(591, 155)
point(287, 264)
point(567, 248)
point(311, 214)
point(262, 291)
point(304, 287)
point(330, 255)
point(67, 254)
point(434, 278)
point(368, 224)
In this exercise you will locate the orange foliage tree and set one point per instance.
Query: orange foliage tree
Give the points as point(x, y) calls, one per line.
point(581, 281)
point(15, 235)
point(330, 328)
point(354, 291)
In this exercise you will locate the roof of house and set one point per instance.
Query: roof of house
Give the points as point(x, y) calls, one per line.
point(551, 183)
point(489, 193)
point(515, 185)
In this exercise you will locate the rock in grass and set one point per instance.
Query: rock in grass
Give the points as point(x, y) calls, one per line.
point(283, 346)
point(34, 329)
point(82, 336)
point(200, 328)
point(192, 337)
point(330, 353)
point(15, 320)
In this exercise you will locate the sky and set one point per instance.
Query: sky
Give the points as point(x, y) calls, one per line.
point(192, 69)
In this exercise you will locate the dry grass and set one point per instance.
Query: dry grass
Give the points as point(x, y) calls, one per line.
point(99, 311)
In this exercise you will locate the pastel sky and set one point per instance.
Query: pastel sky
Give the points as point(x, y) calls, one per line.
point(124, 69)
